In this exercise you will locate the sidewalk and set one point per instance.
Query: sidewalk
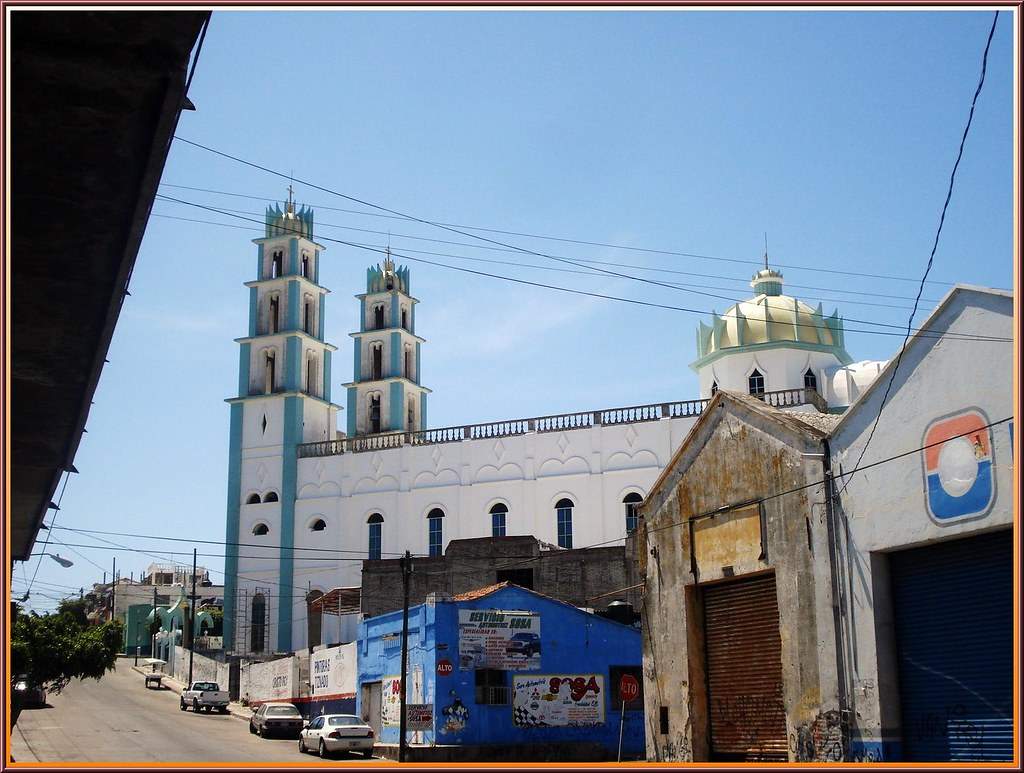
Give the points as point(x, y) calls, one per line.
point(234, 709)
point(20, 750)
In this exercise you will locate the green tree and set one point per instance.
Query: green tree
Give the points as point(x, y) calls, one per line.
point(53, 649)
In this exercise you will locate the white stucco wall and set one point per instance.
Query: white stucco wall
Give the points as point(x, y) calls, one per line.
point(782, 368)
point(886, 507)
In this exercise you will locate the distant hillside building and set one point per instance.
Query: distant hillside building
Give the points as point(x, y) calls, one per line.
point(307, 504)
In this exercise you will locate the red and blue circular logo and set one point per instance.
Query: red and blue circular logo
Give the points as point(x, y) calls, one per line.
point(958, 466)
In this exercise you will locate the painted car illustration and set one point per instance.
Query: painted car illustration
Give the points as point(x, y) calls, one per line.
point(523, 643)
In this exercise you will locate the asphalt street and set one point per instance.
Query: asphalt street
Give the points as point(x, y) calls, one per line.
point(118, 720)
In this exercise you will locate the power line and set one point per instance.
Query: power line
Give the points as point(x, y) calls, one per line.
point(397, 216)
point(650, 304)
point(935, 245)
point(585, 272)
point(46, 542)
point(660, 269)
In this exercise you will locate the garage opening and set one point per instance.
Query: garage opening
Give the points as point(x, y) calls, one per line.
point(953, 608)
point(747, 719)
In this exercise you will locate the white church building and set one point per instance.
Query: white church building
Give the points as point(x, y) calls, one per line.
point(307, 503)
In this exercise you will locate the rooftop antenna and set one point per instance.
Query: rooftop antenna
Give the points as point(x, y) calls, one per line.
point(765, 250)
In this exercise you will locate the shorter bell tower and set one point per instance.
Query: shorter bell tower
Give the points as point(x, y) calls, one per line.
point(385, 394)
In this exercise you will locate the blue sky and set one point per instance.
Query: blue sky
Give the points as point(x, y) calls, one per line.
point(692, 132)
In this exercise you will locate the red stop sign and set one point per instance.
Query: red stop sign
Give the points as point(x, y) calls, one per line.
point(629, 688)
point(444, 667)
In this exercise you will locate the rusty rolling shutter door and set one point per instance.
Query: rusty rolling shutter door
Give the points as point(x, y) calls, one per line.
point(744, 670)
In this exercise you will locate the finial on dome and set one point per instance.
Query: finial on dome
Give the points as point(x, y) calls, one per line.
point(765, 250)
point(290, 208)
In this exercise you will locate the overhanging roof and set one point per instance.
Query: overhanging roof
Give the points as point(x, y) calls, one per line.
point(95, 99)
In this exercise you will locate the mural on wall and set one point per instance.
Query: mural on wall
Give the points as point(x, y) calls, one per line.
point(391, 696)
point(574, 700)
point(504, 640)
point(455, 715)
point(333, 670)
point(958, 466)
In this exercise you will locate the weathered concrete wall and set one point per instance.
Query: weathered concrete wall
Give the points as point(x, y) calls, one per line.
point(579, 577)
point(273, 680)
point(203, 668)
point(886, 507)
point(735, 454)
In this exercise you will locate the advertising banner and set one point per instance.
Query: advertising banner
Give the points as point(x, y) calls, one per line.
point(490, 638)
point(568, 700)
point(391, 698)
point(333, 671)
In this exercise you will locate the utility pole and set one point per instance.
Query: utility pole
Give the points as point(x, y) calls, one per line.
point(192, 620)
point(152, 636)
point(406, 564)
point(113, 589)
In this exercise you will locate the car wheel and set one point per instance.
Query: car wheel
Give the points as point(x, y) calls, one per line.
point(302, 745)
point(259, 730)
point(252, 730)
point(195, 705)
point(368, 753)
point(323, 750)
point(223, 709)
point(181, 704)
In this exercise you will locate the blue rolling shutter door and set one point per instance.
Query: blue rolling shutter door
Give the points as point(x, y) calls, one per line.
point(953, 605)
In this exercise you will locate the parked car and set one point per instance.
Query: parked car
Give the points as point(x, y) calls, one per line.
point(333, 733)
point(206, 696)
point(282, 718)
point(523, 643)
point(31, 696)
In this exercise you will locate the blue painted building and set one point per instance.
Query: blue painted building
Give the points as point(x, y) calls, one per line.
point(504, 667)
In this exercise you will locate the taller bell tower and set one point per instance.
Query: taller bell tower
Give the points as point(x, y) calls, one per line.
point(385, 394)
point(283, 400)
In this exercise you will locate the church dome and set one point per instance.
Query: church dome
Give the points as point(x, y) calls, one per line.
point(769, 320)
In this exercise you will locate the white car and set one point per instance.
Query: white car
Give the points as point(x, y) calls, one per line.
point(332, 733)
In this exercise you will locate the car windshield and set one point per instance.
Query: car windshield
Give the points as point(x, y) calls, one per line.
point(204, 686)
point(283, 711)
point(523, 636)
point(343, 720)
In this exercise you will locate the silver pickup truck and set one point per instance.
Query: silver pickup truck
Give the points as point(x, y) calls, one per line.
point(204, 695)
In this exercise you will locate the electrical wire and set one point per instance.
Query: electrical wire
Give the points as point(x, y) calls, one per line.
point(931, 256)
point(585, 272)
point(46, 542)
point(650, 304)
point(396, 216)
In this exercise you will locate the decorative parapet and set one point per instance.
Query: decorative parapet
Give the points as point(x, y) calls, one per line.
point(555, 423)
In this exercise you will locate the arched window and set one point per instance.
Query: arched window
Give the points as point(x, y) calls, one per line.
point(307, 317)
point(277, 266)
point(270, 496)
point(261, 530)
point(435, 524)
point(318, 525)
point(378, 316)
point(714, 388)
point(257, 623)
point(305, 265)
point(563, 511)
point(498, 513)
point(274, 317)
point(374, 413)
point(755, 383)
point(631, 501)
point(408, 362)
point(270, 373)
point(377, 361)
point(411, 414)
point(254, 499)
point(314, 620)
point(405, 318)
point(311, 376)
point(373, 528)
point(810, 380)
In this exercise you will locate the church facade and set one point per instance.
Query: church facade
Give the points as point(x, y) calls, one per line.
point(307, 503)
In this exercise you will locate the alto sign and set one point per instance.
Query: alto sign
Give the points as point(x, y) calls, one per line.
point(444, 667)
point(629, 688)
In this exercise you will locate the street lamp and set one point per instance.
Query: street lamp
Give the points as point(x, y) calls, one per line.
point(59, 559)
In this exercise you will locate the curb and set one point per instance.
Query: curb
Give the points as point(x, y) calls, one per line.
point(235, 710)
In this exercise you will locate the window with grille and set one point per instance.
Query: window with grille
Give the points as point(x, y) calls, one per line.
point(435, 521)
point(491, 687)
point(755, 383)
point(631, 502)
point(810, 380)
point(374, 524)
point(498, 513)
point(563, 511)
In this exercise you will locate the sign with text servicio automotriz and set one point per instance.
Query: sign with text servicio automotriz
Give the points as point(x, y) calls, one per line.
point(558, 700)
point(492, 638)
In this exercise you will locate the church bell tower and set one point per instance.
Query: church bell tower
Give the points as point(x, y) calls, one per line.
point(385, 394)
